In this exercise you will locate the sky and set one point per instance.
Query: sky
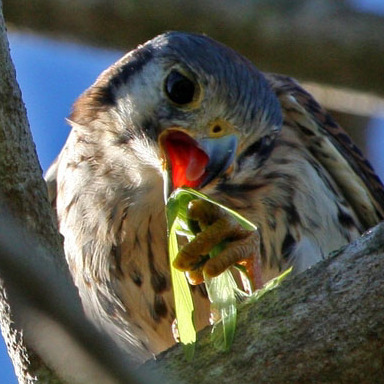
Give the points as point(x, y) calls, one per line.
point(52, 74)
point(372, 6)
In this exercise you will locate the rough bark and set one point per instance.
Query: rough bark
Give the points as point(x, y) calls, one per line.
point(325, 41)
point(22, 193)
point(325, 325)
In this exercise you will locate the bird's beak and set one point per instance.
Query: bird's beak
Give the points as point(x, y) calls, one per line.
point(195, 163)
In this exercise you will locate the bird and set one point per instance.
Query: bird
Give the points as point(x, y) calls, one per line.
point(184, 110)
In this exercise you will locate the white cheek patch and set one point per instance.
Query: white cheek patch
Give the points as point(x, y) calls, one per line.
point(147, 154)
point(143, 92)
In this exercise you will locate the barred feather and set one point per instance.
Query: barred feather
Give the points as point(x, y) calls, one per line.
point(296, 175)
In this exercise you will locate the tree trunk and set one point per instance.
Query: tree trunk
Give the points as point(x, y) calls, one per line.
point(22, 192)
point(47, 335)
point(324, 41)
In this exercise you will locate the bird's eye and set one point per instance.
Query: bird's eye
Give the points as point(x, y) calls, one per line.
point(179, 88)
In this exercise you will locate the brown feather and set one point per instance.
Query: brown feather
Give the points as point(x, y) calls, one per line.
point(328, 142)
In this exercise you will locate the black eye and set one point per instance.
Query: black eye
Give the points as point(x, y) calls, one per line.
point(179, 88)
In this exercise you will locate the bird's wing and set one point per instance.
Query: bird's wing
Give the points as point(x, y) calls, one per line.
point(333, 148)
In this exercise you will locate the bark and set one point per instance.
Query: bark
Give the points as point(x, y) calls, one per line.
point(323, 326)
point(324, 41)
point(22, 193)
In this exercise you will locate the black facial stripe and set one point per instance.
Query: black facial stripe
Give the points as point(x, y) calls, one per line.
point(135, 63)
point(260, 150)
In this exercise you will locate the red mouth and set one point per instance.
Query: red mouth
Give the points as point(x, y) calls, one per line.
point(187, 161)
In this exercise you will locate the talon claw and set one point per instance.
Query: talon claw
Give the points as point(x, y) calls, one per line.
point(195, 277)
point(213, 226)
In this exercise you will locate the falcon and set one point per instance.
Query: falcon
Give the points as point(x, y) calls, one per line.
point(185, 110)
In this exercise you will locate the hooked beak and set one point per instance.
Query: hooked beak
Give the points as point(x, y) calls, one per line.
point(195, 163)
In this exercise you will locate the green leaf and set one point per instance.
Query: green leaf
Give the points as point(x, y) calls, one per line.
point(272, 284)
point(189, 194)
point(222, 290)
point(182, 295)
point(222, 294)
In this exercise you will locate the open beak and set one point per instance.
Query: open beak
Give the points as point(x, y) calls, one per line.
point(195, 163)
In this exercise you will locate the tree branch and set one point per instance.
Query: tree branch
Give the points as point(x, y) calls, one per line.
point(327, 42)
point(322, 326)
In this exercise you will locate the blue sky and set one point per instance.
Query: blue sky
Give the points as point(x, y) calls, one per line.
point(372, 6)
point(52, 74)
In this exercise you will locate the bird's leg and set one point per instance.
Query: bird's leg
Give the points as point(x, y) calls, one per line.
point(215, 226)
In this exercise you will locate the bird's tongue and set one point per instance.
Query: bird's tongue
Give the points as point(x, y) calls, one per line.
point(188, 162)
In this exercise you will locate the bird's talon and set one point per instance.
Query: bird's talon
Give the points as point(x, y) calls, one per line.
point(200, 263)
point(241, 247)
point(252, 271)
point(195, 277)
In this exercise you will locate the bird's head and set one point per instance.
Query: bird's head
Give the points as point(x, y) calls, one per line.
point(202, 109)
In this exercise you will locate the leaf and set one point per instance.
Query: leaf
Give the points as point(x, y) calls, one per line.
point(222, 290)
point(181, 291)
point(272, 284)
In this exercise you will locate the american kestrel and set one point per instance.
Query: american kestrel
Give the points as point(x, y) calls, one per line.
point(255, 142)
